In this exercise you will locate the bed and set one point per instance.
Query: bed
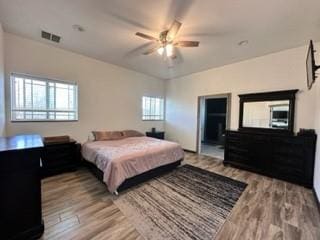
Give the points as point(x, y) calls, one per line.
point(128, 161)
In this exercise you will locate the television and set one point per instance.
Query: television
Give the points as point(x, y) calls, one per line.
point(311, 66)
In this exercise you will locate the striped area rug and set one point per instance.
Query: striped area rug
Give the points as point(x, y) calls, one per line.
point(187, 203)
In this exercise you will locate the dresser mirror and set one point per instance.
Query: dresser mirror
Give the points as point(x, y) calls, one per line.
point(268, 112)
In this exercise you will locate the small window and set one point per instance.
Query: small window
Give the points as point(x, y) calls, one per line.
point(40, 99)
point(152, 108)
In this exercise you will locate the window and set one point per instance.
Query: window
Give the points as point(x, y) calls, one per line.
point(152, 108)
point(39, 99)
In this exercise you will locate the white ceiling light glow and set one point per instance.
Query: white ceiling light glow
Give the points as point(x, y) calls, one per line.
point(169, 50)
point(160, 50)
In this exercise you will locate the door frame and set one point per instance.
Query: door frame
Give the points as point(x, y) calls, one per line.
point(199, 126)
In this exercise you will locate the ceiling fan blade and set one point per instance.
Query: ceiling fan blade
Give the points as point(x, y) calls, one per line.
point(187, 44)
point(173, 31)
point(151, 50)
point(139, 50)
point(178, 9)
point(145, 36)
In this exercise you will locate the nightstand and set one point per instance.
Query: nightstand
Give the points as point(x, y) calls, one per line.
point(159, 135)
point(60, 157)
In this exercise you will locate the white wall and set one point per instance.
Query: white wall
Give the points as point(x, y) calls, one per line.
point(109, 96)
point(2, 91)
point(279, 71)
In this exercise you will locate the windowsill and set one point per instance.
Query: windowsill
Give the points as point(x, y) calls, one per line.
point(153, 120)
point(28, 121)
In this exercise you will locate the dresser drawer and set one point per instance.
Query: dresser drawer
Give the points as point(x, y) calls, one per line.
point(236, 157)
point(234, 137)
point(59, 155)
point(238, 149)
point(284, 160)
point(282, 156)
point(290, 149)
point(290, 173)
point(59, 148)
point(58, 161)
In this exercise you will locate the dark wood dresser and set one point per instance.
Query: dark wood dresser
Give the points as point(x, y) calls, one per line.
point(59, 157)
point(158, 135)
point(286, 157)
point(20, 186)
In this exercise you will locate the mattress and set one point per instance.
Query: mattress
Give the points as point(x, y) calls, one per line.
point(129, 157)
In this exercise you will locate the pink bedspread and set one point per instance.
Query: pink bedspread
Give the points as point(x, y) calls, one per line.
point(125, 158)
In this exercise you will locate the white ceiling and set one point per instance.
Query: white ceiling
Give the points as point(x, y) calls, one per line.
point(110, 27)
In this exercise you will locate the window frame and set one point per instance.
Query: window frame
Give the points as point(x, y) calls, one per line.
point(39, 78)
point(164, 109)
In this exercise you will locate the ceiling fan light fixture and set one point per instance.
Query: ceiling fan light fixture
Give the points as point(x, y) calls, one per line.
point(166, 44)
point(169, 50)
point(160, 50)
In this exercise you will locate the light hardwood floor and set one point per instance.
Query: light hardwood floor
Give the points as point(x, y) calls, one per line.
point(77, 206)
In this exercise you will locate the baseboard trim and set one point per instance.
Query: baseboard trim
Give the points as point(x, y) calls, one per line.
point(317, 199)
point(190, 151)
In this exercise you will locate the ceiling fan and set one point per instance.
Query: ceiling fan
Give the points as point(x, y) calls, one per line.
point(166, 42)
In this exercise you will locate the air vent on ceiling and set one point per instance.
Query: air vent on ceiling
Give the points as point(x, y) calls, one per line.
point(50, 36)
point(46, 35)
point(55, 38)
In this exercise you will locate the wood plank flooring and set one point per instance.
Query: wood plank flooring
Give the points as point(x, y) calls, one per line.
point(77, 206)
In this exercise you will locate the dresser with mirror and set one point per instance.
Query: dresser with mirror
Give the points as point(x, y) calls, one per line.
point(265, 142)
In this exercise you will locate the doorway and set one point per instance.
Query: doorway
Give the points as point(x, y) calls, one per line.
point(213, 120)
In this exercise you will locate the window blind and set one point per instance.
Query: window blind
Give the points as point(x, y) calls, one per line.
point(152, 108)
point(40, 99)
